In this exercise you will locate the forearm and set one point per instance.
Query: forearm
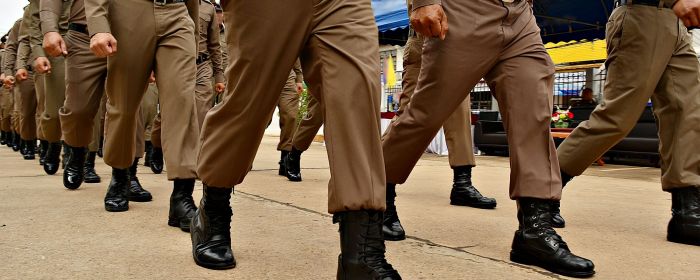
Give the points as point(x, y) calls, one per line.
point(96, 12)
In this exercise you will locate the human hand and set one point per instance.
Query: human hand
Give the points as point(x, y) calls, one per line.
point(220, 87)
point(42, 65)
point(22, 74)
point(103, 44)
point(9, 81)
point(430, 21)
point(54, 45)
point(688, 11)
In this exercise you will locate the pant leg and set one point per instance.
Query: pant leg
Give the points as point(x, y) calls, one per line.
point(450, 69)
point(127, 77)
point(634, 70)
point(204, 90)
point(140, 139)
point(677, 108)
point(458, 135)
point(149, 107)
point(17, 109)
point(457, 126)
point(156, 133)
point(5, 109)
point(523, 83)
point(55, 88)
point(235, 127)
point(340, 63)
point(96, 136)
point(175, 76)
point(28, 109)
point(288, 111)
point(85, 87)
point(39, 88)
point(308, 126)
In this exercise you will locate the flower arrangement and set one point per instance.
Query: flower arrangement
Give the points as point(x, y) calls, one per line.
point(561, 118)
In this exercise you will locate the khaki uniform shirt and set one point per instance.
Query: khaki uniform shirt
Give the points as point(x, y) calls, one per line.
point(208, 39)
point(56, 14)
point(10, 59)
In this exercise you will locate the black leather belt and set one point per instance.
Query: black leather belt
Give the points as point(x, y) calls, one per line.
point(202, 58)
point(653, 3)
point(165, 2)
point(77, 27)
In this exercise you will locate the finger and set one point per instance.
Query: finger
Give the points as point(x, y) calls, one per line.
point(113, 43)
point(443, 24)
point(435, 29)
point(693, 20)
point(686, 22)
point(64, 49)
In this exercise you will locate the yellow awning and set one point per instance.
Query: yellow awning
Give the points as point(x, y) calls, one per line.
point(577, 52)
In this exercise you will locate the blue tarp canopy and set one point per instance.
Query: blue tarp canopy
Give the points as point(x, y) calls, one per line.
point(560, 20)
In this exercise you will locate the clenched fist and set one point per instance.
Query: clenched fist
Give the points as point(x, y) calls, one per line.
point(54, 45)
point(103, 44)
point(688, 11)
point(42, 65)
point(430, 21)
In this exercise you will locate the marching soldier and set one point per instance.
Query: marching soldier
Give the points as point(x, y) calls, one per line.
point(5, 101)
point(338, 46)
point(653, 60)
point(8, 68)
point(138, 37)
point(209, 63)
point(304, 135)
point(504, 47)
point(26, 77)
point(288, 110)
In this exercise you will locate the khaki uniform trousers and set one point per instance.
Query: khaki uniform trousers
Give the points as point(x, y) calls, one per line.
point(288, 110)
point(85, 89)
point(149, 110)
point(55, 94)
point(337, 40)
point(457, 127)
point(40, 99)
point(16, 112)
point(165, 42)
point(204, 90)
point(308, 126)
point(6, 107)
point(156, 132)
point(27, 117)
point(94, 145)
point(501, 43)
point(645, 61)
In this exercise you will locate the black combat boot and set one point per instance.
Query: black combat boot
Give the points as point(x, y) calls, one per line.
point(9, 138)
point(182, 207)
point(391, 227)
point(43, 147)
point(211, 230)
point(157, 160)
point(16, 143)
point(100, 150)
point(684, 226)
point(53, 158)
point(74, 174)
point(136, 192)
point(116, 199)
point(283, 169)
point(465, 194)
point(557, 220)
point(3, 139)
point(536, 242)
point(293, 166)
point(91, 176)
point(149, 152)
point(29, 149)
point(362, 247)
point(66, 154)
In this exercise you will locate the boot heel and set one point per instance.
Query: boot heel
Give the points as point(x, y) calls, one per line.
point(174, 222)
point(521, 258)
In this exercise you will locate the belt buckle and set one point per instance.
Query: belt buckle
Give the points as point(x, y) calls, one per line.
point(160, 2)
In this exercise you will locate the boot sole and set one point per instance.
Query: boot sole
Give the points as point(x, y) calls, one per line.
point(292, 179)
point(117, 209)
point(156, 171)
point(474, 205)
point(682, 240)
point(49, 171)
point(526, 259)
point(29, 158)
point(214, 266)
point(93, 181)
point(140, 199)
point(392, 238)
point(176, 223)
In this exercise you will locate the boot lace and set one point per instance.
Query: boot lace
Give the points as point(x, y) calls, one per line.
point(374, 252)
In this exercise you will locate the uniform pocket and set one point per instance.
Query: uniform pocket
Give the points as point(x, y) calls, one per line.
point(614, 29)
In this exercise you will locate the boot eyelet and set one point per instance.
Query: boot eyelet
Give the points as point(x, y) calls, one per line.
point(535, 225)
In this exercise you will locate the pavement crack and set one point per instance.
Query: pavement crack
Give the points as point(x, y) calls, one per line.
point(424, 241)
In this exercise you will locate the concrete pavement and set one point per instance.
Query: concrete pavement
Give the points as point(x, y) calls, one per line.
point(616, 215)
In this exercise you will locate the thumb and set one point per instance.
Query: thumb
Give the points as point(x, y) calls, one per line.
point(113, 43)
point(443, 24)
point(64, 50)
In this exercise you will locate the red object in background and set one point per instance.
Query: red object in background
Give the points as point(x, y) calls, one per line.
point(475, 117)
point(388, 115)
point(571, 115)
